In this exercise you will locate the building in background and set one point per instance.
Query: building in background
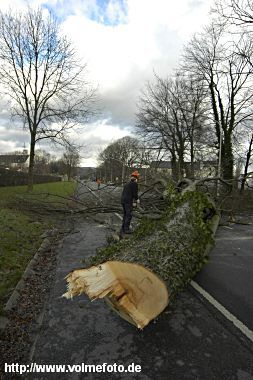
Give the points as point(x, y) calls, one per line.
point(17, 161)
point(200, 168)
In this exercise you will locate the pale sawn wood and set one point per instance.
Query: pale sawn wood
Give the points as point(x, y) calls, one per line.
point(134, 292)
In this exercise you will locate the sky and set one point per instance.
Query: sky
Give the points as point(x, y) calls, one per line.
point(123, 42)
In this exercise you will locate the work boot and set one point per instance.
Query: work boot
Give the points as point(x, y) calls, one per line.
point(128, 232)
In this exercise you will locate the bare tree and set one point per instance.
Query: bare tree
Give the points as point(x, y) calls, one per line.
point(41, 162)
point(237, 12)
point(171, 112)
point(120, 157)
point(247, 162)
point(188, 101)
point(42, 77)
point(70, 159)
point(228, 77)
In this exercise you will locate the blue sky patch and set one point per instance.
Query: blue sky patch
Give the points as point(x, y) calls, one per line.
point(60, 9)
point(107, 12)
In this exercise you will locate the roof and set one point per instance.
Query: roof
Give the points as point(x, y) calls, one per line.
point(210, 163)
point(13, 158)
point(161, 164)
point(196, 165)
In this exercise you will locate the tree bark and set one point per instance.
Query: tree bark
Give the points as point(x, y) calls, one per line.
point(174, 249)
point(248, 156)
point(174, 166)
point(227, 157)
point(31, 164)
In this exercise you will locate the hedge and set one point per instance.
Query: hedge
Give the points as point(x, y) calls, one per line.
point(15, 178)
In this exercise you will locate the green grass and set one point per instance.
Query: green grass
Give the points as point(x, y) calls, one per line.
point(10, 193)
point(21, 230)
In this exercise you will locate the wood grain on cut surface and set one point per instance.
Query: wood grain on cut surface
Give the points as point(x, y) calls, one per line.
point(134, 292)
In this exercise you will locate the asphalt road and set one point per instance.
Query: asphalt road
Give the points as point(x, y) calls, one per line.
point(90, 192)
point(228, 276)
point(188, 341)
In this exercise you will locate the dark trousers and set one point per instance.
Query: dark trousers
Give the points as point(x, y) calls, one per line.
point(127, 216)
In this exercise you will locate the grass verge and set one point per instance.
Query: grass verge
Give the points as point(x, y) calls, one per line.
point(21, 230)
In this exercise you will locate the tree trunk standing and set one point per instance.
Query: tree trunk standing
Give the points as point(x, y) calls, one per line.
point(111, 171)
point(174, 167)
point(181, 165)
point(215, 112)
point(69, 172)
point(225, 145)
point(191, 173)
point(174, 162)
point(42, 77)
point(31, 164)
point(227, 159)
point(188, 170)
point(123, 173)
point(248, 156)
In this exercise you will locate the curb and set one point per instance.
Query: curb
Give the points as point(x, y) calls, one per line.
point(13, 300)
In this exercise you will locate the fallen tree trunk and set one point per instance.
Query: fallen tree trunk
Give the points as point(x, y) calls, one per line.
point(131, 274)
point(125, 287)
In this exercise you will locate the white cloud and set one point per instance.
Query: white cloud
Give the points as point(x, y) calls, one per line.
point(95, 138)
point(123, 42)
point(103, 130)
point(11, 139)
point(150, 38)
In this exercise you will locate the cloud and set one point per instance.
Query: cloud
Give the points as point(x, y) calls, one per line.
point(95, 138)
point(12, 139)
point(122, 57)
point(123, 42)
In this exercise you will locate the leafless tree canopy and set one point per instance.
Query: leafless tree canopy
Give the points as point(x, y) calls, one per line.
point(42, 76)
point(120, 157)
point(238, 17)
point(227, 74)
point(172, 111)
point(238, 12)
point(71, 159)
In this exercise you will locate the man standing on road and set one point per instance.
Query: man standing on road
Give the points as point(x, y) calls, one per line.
point(98, 180)
point(129, 198)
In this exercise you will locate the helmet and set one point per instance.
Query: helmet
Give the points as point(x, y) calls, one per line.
point(135, 174)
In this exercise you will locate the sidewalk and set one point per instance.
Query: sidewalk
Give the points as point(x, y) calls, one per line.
point(190, 340)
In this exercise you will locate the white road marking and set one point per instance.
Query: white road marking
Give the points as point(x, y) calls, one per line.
point(118, 215)
point(234, 238)
point(233, 254)
point(244, 329)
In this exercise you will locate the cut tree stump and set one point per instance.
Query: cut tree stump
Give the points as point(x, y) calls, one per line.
point(140, 275)
point(134, 292)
